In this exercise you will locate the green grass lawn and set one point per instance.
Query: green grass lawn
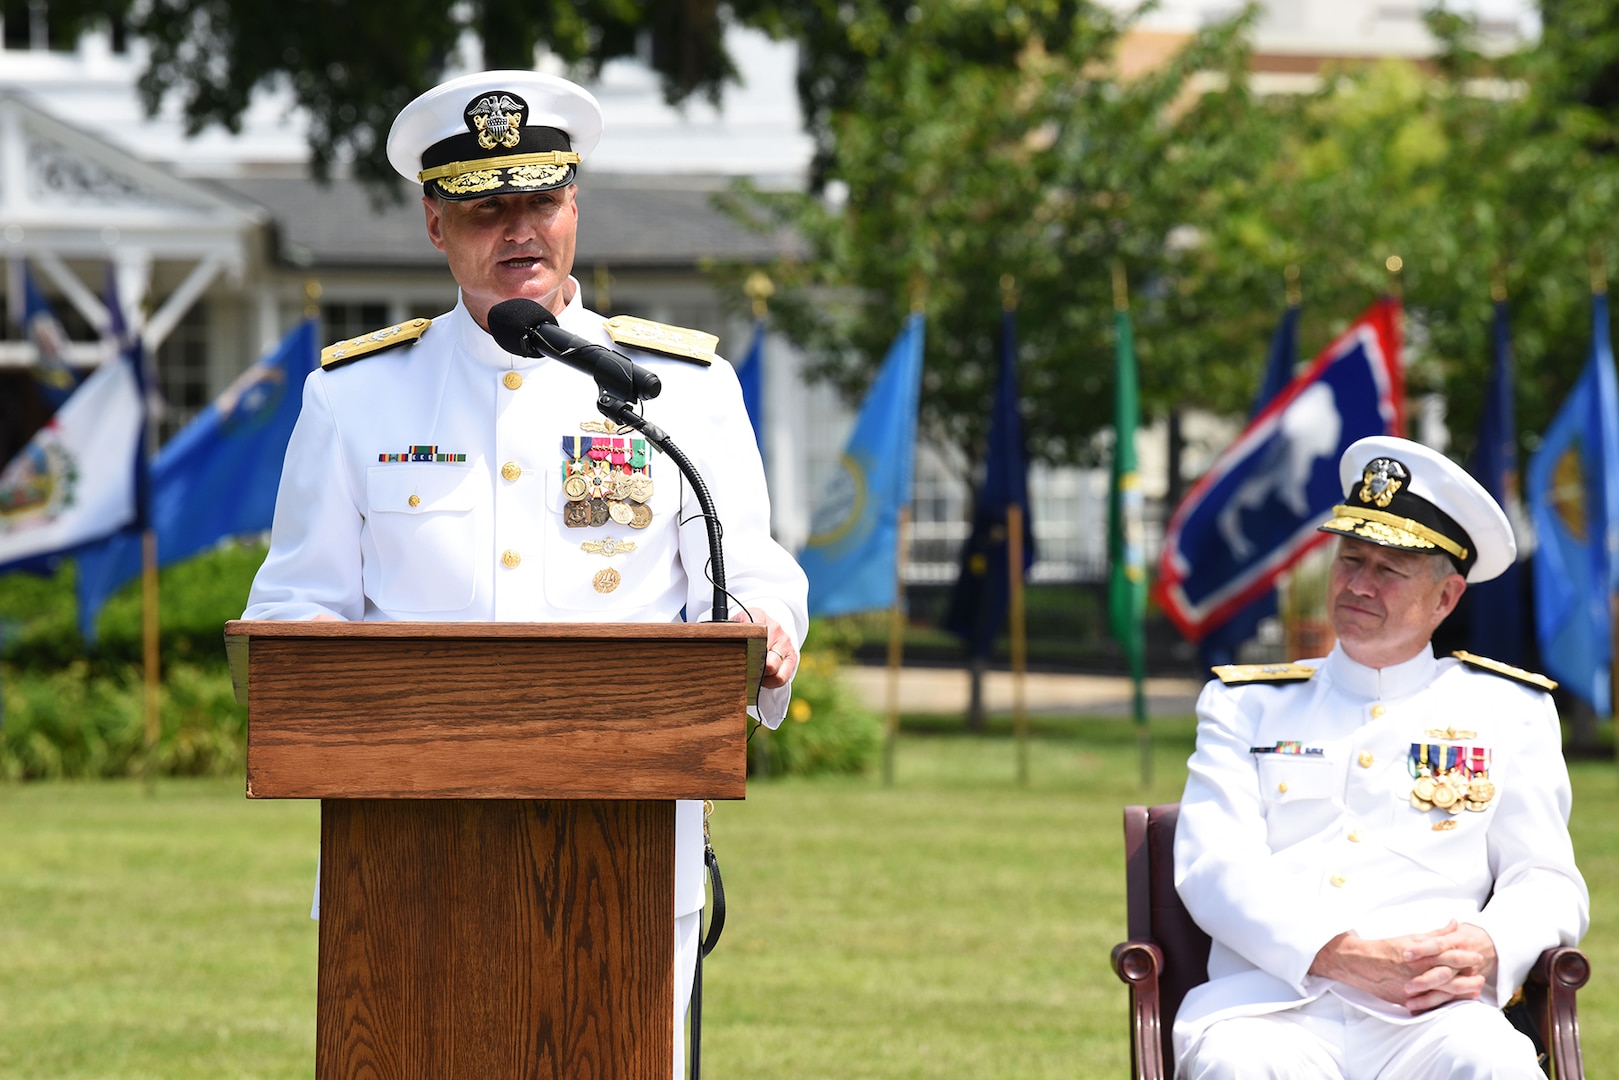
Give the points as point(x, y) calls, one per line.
point(956, 925)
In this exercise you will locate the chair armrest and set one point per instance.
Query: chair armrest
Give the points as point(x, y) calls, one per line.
point(1549, 993)
point(1138, 965)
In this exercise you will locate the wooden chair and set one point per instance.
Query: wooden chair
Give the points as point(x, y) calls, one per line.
point(1168, 954)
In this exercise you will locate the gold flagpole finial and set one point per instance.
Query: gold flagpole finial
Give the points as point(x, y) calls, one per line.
point(1394, 264)
point(312, 291)
point(1121, 288)
point(1599, 270)
point(919, 293)
point(1008, 292)
point(1295, 295)
point(1498, 282)
point(760, 289)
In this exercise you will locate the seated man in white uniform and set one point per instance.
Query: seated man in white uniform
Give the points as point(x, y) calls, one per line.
point(1377, 841)
point(434, 476)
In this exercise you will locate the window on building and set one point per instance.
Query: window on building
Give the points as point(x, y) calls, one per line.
point(182, 371)
point(338, 322)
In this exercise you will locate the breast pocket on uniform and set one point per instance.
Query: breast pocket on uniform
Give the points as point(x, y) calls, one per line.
point(422, 524)
point(1287, 778)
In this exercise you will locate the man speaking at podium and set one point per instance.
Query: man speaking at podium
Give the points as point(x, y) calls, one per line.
point(433, 476)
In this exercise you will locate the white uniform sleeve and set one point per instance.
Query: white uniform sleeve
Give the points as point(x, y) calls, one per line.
point(1242, 894)
point(759, 572)
point(314, 564)
point(1540, 898)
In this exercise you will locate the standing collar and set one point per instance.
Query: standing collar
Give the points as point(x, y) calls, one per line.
point(1398, 681)
point(481, 346)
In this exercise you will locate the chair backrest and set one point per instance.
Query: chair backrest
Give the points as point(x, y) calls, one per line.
point(1156, 913)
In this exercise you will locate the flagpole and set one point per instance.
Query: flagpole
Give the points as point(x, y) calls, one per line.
point(149, 638)
point(896, 614)
point(1014, 568)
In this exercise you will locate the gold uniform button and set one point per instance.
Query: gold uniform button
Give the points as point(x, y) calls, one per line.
point(511, 558)
point(1378, 711)
point(1354, 836)
point(414, 500)
point(1366, 759)
point(1338, 881)
point(510, 470)
point(1282, 787)
point(512, 380)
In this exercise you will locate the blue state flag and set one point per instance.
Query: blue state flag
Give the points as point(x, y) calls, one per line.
point(1219, 643)
point(1255, 512)
point(216, 478)
point(854, 535)
point(750, 373)
point(53, 375)
point(983, 587)
point(1573, 484)
point(1495, 607)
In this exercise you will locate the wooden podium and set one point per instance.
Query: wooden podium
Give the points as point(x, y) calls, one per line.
point(497, 829)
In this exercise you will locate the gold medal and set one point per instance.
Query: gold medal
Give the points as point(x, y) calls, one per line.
point(1444, 796)
point(598, 512)
point(641, 516)
point(636, 487)
point(1424, 789)
point(576, 515)
point(575, 488)
point(605, 581)
point(620, 512)
point(1420, 804)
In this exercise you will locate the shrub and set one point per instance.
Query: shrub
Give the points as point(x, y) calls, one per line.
point(826, 730)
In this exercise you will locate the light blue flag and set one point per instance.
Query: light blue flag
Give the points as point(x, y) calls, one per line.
point(1573, 486)
point(854, 536)
point(217, 478)
point(750, 373)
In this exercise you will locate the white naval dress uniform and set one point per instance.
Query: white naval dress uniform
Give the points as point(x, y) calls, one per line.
point(1278, 852)
point(479, 540)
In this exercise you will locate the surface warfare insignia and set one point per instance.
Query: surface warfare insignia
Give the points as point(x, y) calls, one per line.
point(661, 338)
point(1380, 482)
point(1243, 674)
point(1450, 778)
point(346, 352)
point(1506, 671)
point(497, 120)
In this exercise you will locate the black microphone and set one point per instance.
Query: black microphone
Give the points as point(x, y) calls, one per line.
point(528, 329)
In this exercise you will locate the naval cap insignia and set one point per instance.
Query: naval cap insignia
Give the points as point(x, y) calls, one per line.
point(1381, 480)
point(497, 119)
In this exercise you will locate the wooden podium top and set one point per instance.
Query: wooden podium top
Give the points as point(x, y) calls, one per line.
point(496, 710)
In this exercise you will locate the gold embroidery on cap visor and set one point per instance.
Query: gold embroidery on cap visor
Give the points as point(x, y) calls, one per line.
point(515, 170)
point(1391, 529)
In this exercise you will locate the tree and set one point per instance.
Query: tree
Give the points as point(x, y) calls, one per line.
point(998, 138)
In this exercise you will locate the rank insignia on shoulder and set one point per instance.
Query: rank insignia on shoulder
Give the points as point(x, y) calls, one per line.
point(674, 341)
point(1506, 671)
point(345, 352)
point(1243, 674)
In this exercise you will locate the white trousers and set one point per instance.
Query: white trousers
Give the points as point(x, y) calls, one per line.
point(1329, 1040)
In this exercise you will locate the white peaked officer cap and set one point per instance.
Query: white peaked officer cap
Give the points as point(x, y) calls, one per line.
point(1402, 494)
point(495, 133)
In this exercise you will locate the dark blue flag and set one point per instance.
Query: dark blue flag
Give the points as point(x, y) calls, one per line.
point(1496, 626)
point(52, 373)
point(1219, 644)
point(1573, 483)
point(1255, 512)
point(983, 587)
point(217, 478)
point(750, 373)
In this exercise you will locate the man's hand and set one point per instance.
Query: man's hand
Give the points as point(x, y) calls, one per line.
point(1418, 971)
point(781, 659)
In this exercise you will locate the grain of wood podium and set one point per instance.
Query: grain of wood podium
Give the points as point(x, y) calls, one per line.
point(497, 829)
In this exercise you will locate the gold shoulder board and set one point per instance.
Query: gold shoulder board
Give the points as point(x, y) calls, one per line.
point(661, 338)
point(1506, 671)
point(1242, 674)
point(345, 352)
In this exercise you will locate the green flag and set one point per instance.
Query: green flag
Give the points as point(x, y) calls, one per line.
point(1126, 551)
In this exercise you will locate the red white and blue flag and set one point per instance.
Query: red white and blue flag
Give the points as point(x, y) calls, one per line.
point(1255, 512)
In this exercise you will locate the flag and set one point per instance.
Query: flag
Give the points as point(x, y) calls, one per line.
point(750, 373)
point(1126, 542)
point(1219, 643)
point(1573, 483)
point(216, 478)
point(983, 586)
point(73, 481)
point(1496, 606)
point(1255, 512)
point(854, 535)
point(54, 377)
